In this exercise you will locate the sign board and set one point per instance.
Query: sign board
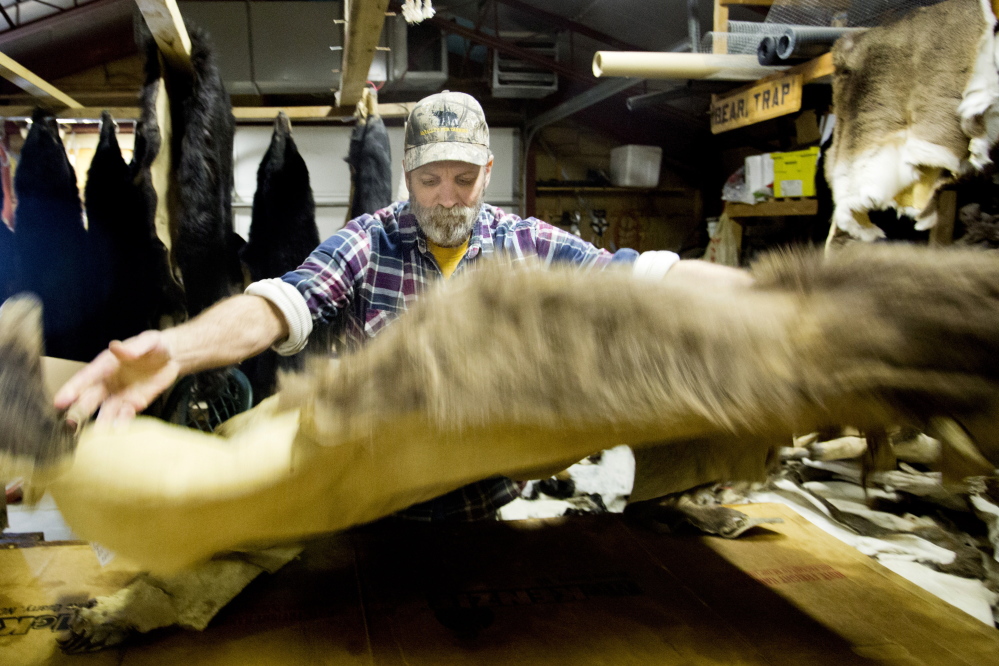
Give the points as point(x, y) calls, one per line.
point(769, 98)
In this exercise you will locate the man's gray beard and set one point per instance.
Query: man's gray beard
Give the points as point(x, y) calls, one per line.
point(446, 227)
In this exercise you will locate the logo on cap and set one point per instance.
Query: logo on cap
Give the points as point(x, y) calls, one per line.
point(446, 118)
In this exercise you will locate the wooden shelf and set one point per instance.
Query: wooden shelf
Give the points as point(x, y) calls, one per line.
point(773, 208)
point(608, 191)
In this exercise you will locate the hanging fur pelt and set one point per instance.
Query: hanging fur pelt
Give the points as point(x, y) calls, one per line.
point(282, 234)
point(148, 142)
point(205, 247)
point(917, 106)
point(8, 267)
point(601, 358)
point(51, 243)
point(130, 258)
point(283, 229)
point(370, 159)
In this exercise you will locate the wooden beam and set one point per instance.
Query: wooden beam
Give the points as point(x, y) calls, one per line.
point(397, 110)
point(775, 208)
point(167, 25)
point(815, 69)
point(942, 233)
point(365, 19)
point(30, 82)
point(400, 110)
point(719, 43)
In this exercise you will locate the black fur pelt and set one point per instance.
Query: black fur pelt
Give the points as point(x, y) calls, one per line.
point(51, 243)
point(204, 246)
point(8, 269)
point(147, 146)
point(131, 257)
point(282, 234)
point(370, 161)
point(283, 230)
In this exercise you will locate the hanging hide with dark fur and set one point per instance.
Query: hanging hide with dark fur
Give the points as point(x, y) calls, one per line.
point(205, 246)
point(148, 143)
point(8, 270)
point(51, 243)
point(283, 230)
point(916, 108)
point(129, 254)
point(282, 234)
point(370, 160)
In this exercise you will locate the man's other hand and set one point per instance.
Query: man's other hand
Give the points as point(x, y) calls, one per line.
point(122, 381)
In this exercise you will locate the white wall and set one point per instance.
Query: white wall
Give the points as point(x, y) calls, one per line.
point(324, 149)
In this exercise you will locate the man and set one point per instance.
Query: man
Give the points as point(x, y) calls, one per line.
point(369, 272)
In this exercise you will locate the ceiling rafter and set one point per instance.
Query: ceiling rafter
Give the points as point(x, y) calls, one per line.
point(365, 19)
point(167, 25)
point(26, 80)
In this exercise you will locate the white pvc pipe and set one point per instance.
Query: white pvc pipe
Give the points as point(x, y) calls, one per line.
point(662, 65)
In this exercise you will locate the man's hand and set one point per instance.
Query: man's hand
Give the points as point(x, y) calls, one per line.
point(122, 381)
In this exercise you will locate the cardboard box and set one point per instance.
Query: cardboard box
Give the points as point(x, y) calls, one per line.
point(581, 590)
point(794, 173)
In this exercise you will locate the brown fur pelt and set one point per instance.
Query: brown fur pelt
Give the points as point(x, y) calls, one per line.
point(552, 348)
point(32, 436)
point(915, 102)
point(514, 369)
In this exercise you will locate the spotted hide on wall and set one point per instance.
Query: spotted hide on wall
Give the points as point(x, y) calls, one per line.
point(916, 108)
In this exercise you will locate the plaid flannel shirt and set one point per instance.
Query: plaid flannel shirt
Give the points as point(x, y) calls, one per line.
point(374, 268)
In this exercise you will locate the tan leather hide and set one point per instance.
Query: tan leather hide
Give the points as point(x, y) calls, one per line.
point(507, 371)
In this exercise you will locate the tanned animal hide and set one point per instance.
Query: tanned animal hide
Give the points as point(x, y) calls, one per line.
point(601, 358)
point(205, 247)
point(282, 234)
point(51, 242)
point(129, 256)
point(370, 161)
point(916, 108)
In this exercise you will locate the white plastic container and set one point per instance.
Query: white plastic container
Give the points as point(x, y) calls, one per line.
point(635, 166)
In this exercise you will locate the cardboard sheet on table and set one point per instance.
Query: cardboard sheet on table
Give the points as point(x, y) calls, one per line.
point(581, 590)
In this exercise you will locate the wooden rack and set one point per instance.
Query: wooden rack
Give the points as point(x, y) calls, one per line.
point(776, 208)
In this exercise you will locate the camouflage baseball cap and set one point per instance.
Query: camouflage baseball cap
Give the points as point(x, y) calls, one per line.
point(446, 126)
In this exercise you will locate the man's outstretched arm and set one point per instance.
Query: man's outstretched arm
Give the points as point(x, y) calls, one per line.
point(125, 378)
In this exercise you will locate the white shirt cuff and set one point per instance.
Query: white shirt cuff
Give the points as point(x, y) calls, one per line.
point(655, 264)
point(293, 307)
